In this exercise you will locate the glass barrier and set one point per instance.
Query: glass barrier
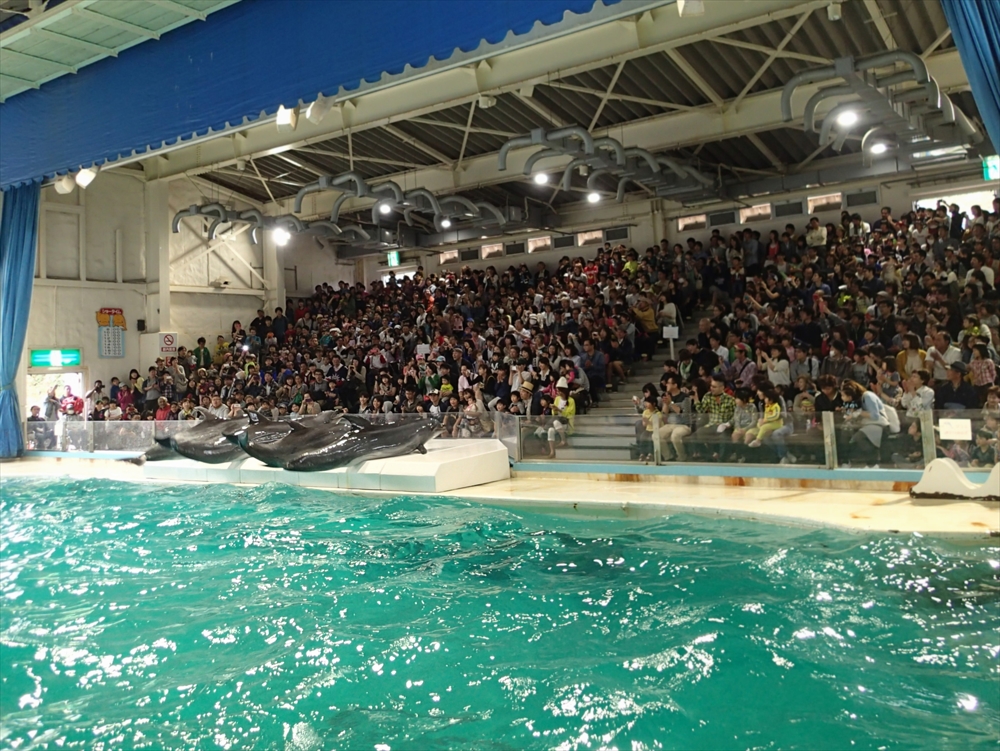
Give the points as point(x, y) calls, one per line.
point(970, 437)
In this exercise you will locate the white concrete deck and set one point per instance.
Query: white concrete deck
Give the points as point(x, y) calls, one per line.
point(857, 510)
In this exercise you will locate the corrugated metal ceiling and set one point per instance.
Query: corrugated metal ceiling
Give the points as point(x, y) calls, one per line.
point(644, 87)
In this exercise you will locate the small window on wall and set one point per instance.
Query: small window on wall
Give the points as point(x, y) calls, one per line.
point(536, 244)
point(493, 250)
point(830, 202)
point(594, 237)
point(469, 254)
point(448, 256)
point(696, 221)
point(758, 213)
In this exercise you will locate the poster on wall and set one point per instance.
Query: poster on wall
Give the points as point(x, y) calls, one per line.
point(111, 333)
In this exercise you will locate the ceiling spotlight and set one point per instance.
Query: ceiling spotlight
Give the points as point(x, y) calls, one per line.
point(287, 119)
point(541, 178)
point(64, 185)
point(847, 118)
point(483, 237)
point(384, 208)
point(281, 236)
point(86, 176)
point(878, 148)
point(446, 223)
point(593, 197)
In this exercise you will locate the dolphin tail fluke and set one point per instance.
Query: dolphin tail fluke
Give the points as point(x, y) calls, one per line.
point(136, 460)
point(163, 441)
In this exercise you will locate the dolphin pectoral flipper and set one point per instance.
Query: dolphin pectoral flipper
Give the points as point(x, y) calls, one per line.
point(422, 449)
point(358, 421)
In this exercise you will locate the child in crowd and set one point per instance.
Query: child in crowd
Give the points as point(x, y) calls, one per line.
point(744, 416)
point(769, 422)
point(984, 453)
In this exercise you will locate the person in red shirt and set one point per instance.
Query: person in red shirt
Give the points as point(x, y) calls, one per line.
point(70, 399)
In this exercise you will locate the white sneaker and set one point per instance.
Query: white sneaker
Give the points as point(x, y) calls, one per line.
point(791, 458)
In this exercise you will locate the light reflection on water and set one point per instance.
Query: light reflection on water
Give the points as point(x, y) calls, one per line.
point(278, 618)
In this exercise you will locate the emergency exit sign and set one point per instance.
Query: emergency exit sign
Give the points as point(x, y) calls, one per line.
point(393, 258)
point(55, 358)
point(991, 168)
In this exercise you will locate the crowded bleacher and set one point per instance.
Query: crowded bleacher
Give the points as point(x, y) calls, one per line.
point(875, 319)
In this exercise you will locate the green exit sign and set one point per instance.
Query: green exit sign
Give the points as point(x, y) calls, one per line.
point(393, 258)
point(55, 358)
point(991, 167)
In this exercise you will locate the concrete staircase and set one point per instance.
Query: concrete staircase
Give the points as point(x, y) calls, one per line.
point(606, 433)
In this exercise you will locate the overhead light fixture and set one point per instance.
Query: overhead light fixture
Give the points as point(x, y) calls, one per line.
point(878, 148)
point(281, 236)
point(593, 197)
point(483, 237)
point(384, 208)
point(687, 8)
point(485, 101)
point(64, 185)
point(541, 178)
point(287, 119)
point(86, 176)
point(847, 118)
point(446, 223)
point(833, 11)
point(316, 111)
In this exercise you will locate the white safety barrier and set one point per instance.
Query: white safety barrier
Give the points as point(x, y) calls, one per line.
point(943, 478)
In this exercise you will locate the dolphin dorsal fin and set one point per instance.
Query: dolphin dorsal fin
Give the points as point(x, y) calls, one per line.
point(297, 426)
point(357, 421)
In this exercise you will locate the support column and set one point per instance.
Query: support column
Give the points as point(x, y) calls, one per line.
point(274, 273)
point(158, 255)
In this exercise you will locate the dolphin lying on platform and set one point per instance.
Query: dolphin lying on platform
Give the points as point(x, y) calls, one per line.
point(270, 442)
point(266, 431)
point(362, 442)
point(152, 454)
point(205, 442)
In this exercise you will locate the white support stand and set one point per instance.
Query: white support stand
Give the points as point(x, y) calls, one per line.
point(447, 465)
point(943, 478)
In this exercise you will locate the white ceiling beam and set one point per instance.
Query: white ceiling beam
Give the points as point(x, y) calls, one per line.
point(184, 10)
point(700, 83)
point(95, 49)
point(267, 188)
point(604, 99)
point(115, 23)
point(369, 159)
point(418, 144)
point(936, 43)
point(880, 25)
point(39, 21)
point(771, 58)
point(459, 126)
point(771, 51)
point(619, 97)
point(542, 110)
point(465, 136)
point(508, 72)
point(762, 148)
point(18, 81)
point(36, 59)
point(674, 130)
point(301, 164)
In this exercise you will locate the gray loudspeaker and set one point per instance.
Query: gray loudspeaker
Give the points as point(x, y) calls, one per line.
point(140, 324)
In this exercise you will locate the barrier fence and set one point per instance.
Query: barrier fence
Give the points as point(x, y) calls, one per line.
point(825, 440)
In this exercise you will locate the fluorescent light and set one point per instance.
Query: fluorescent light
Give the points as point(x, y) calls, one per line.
point(847, 118)
point(316, 111)
point(384, 208)
point(86, 176)
point(281, 236)
point(64, 185)
point(593, 197)
point(446, 223)
point(287, 119)
point(878, 148)
point(541, 178)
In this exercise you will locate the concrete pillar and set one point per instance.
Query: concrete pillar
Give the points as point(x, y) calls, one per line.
point(274, 273)
point(158, 255)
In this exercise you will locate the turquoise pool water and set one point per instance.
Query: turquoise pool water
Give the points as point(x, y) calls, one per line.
point(210, 617)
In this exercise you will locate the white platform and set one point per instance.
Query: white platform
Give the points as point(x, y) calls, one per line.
point(943, 478)
point(447, 465)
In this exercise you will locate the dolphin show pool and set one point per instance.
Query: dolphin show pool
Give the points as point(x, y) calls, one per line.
point(144, 615)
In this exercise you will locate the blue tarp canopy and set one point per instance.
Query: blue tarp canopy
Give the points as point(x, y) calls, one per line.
point(242, 63)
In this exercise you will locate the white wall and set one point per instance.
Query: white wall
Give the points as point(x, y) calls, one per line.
point(309, 262)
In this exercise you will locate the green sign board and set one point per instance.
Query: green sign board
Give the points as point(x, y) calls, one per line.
point(991, 167)
point(55, 358)
point(393, 258)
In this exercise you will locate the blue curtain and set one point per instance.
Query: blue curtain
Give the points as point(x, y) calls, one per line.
point(18, 238)
point(975, 27)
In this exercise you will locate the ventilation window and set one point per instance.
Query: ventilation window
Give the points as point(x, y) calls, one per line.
point(696, 221)
point(448, 256)
point(616, 233)
point(722, 217)
point(861, 198)
point(594, 237)
point(515, 249)
point(792, 208)
point(565, 241)
point(469, 254)
point(536, 244)
point(831, 202)
point(759, 213)
point(493, 250)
